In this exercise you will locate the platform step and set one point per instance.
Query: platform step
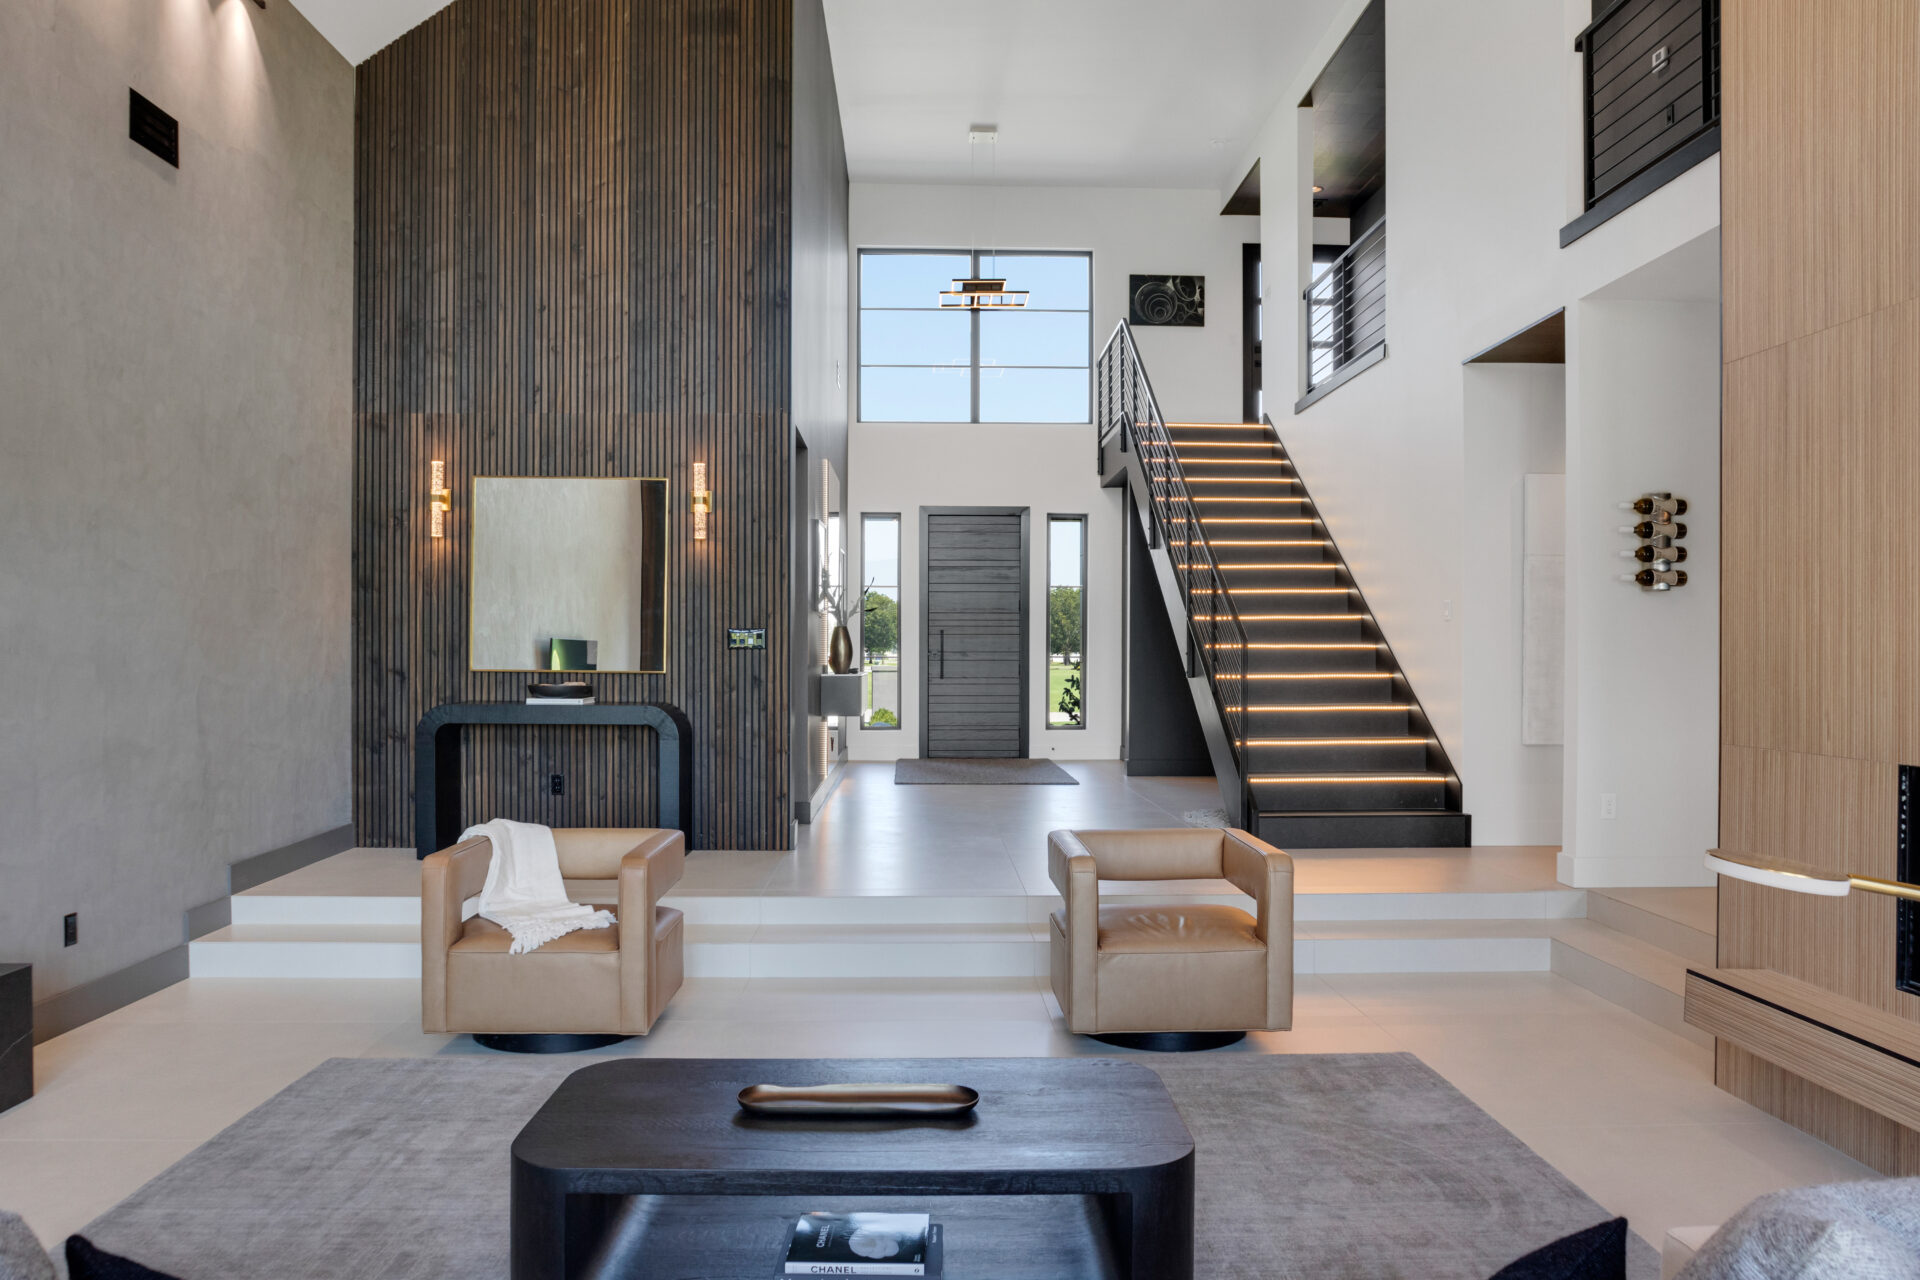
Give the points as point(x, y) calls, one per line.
point(1628, 971)
point(1004, 937)
point(1677, 920)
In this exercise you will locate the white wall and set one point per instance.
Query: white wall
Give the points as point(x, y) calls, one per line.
point(1048, 468)
point(1515, 423)
point(1643, 718)
point(1483, 161)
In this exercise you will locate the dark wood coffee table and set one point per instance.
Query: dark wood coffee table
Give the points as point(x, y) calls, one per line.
point(648, 1167)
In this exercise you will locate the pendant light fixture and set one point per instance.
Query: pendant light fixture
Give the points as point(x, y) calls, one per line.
point(982, 293)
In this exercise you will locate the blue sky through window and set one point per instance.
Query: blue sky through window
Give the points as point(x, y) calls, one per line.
point(919, 363)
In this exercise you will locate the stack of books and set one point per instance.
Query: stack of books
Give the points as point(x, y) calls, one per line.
point(863, 1244)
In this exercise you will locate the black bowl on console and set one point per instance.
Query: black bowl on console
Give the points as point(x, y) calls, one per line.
point(562, 689)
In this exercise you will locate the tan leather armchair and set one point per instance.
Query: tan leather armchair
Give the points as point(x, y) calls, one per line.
point(597, 984)
point(1133, 970)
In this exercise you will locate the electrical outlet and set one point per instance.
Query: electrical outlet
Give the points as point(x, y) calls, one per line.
point(70, 929)
point(556, 785)
point(1609, 805)
point(1446, 611)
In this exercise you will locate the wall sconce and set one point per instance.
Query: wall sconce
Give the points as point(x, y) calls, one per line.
point(441, 495)
point(702, 502)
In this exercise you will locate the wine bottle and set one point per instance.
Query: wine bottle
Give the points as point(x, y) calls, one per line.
point(1649, 529)
point(1651, 504)
point(1661, 580)
point(1650, 553)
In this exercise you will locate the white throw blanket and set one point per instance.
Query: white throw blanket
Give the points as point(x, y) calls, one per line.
point(524, 893)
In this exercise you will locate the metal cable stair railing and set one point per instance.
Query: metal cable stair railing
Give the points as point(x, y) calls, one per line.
point(1130, 420)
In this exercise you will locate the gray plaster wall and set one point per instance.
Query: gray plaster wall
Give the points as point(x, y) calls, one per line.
point(175, 464)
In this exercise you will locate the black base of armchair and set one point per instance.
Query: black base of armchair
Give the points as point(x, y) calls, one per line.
point(1172, 1041)
point(545, 1043)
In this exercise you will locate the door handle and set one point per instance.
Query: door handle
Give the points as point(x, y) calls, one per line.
point(943, 655)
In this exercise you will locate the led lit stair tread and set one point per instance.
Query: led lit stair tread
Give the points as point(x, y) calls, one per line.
point(1347, 777)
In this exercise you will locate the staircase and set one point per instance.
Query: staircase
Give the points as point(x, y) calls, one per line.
point(1315, 733)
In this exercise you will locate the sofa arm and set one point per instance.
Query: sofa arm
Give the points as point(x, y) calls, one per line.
point(652, 868)
point(447, 879)
point(1076, 874)
point(646, 874)
point(1265, 874)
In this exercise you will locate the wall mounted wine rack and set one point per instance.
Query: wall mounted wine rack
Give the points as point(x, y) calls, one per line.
point(1659, 530)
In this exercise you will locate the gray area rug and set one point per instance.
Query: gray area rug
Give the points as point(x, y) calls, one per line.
point(1320, 1167)
point(954, 773)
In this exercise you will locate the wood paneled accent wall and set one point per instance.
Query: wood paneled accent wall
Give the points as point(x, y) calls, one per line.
point(1820, 662)
point(573, 254)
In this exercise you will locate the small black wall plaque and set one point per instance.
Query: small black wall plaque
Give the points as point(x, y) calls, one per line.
point(153, 128)
point(746, 637)
point(1168, 300)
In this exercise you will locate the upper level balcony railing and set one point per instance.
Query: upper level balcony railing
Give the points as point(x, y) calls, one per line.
point(1651, 80)
point(1347, 310)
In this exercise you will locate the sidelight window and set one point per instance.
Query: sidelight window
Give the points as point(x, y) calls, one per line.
point(880, 620)
point(1066, 622)
point(920, 362)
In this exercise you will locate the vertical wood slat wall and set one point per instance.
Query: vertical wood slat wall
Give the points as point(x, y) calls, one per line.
point(1820, 660)
point(572, 256)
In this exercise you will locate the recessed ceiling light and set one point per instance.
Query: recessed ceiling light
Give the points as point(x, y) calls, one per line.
point(1317, 190)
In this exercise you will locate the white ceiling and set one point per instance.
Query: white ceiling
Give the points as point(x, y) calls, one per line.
point(1128, 93)
point(361, 28)
point(1107, 93)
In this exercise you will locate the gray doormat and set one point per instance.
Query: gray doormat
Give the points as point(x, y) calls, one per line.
point(1010, 773)
point(1362, 1166)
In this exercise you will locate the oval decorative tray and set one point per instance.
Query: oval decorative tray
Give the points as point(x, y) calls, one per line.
point(859, 1099)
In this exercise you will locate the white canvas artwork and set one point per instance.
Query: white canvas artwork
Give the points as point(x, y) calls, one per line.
point(1543, 612)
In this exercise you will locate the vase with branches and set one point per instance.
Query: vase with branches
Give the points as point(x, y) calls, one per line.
point(837, 603)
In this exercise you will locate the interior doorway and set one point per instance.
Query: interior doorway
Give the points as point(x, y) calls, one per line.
point(1251, 406)
point(973, 682)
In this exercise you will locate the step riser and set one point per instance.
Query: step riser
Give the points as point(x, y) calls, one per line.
point(1693, 946)
point(1231, 558)
point(307, 961)
point(1423, 955)
point(1325, 758)
point(1322, 797)
point(250, 908)
point(1349, 629)
point(292, 909)
point(1309, 691)
point(1387, 722)
point(1008, 912)
point(339, 960)
point(1315, 659)
point(1648, 999)
point(1240, 581)
point(1366, 830)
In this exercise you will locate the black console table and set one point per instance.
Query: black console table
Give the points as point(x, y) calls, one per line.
point(436, 758)
point(16, 1034)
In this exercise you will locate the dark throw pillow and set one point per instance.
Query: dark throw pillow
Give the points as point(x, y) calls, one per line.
point(85, 1262)
point(1598, 1253)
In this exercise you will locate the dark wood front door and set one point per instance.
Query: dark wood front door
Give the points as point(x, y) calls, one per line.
point(974, 623)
